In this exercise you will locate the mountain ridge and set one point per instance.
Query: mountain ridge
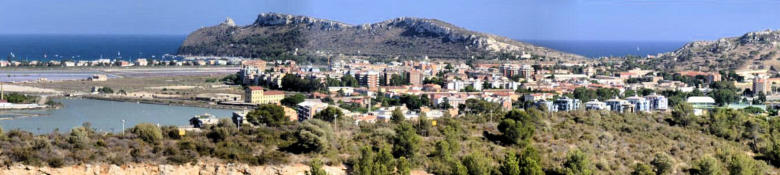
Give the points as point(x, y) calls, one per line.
point(274, 34)
point(752, 50)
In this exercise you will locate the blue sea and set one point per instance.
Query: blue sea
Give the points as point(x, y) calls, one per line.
point(128, 47)
point(594, 49)
point(88, 47)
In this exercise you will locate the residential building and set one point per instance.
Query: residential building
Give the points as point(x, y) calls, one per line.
point(370, 80)
point(256, 95)
point(308, 108)
point(415, 77)
point(658, 102)
point(567, 104)
point(640, 104)
point(595, 104)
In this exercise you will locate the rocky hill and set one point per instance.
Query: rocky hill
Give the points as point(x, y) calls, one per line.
point(754, 50)
point(273, 34)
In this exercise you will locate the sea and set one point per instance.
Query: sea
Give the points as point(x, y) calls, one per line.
point(129, 47)
point(596, 49)
point(88, 47)
point(105, 116)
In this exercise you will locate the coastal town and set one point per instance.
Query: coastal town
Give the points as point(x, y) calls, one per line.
point(370, 92)
point(390, 88)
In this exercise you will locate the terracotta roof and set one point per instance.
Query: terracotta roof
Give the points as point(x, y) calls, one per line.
point(256, 88)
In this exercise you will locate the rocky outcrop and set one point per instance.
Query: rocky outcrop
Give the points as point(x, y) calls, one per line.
point(200, 168)
point(274, 34)
point(754, 50)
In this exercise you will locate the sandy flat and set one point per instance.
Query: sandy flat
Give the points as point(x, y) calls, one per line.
point(28, 89)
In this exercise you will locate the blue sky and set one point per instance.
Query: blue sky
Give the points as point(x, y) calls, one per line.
point(627, 20)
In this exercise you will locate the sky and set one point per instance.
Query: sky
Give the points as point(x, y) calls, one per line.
point(607, 20)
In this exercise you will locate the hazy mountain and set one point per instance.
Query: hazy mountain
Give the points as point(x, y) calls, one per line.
point(754, 50)
point(274, 34)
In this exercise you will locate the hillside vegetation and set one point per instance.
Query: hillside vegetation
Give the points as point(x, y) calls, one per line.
point(479, 142)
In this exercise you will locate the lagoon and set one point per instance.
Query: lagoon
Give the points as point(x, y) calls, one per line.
point(105, 116)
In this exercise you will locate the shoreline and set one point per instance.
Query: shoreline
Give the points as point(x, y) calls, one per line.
point(169, 102)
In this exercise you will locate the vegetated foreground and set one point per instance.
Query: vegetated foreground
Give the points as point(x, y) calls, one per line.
point(533, 142)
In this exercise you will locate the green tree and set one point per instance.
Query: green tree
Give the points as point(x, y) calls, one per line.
point(510, 166)
point(293, 100)
point(148, 132)
point(315, 168)
point(329, 114)
point(662, 164)
point(517, 127)
point(423, 124)
point(269, 114)
point(349, 80)
point(577, 163)
point(682, 114)
point(406, 142)
point(397, 116)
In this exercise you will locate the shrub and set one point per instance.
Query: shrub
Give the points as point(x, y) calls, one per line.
point(477, 164)
point(78, 137)
point(313, 135)
point(148, 133)
point(707, 166)
point(642, 169)
point(56, 162)
point(577, 163)
point(662, 164)
point(315, 168)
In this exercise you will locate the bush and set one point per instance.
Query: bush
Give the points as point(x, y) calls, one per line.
point(662, 164)
point(315, 168)
point(78, 137)
point(707, 166)
point(642, 169)
point(477, 164)
point(577, 163)
point(148, 132)
point(56, 162)
point(313, 135)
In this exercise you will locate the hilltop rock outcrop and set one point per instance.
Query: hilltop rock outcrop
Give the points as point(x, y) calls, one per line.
point(274, 34)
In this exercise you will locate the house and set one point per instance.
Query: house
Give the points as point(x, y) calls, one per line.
point(595, 104)
point(98, 77)
point(701, 104)
point(203, 120)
